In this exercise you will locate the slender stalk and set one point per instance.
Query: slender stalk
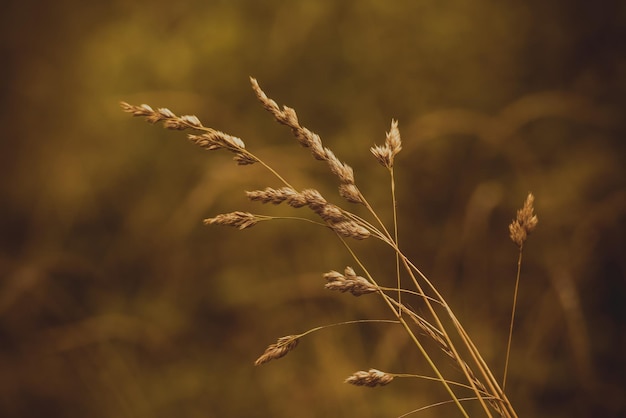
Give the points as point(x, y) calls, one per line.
point(508, 345)
point(419, 376)
point(395, 233)
point(474, 352)
point(440, 326)
point(445, 334)
point(410, 332)
point(424, 408)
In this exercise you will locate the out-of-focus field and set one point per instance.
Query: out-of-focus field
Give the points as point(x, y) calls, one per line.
point(115, 300)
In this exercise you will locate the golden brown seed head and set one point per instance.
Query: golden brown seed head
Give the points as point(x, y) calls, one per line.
point(349, 282)
point(370, 378)
point(524, 223)
point(280, 349)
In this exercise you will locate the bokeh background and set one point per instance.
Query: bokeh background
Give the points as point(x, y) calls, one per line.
point(115, 300)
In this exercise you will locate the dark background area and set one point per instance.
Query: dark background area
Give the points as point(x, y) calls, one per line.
point(115, 300)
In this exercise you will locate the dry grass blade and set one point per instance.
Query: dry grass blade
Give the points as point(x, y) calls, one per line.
point(450, 338)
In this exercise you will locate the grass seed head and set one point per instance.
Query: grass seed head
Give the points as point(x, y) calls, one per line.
point(525, 222)
point(279, 349)
point(370, 378)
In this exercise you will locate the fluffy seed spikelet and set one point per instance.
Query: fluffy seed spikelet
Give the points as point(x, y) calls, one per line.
point(351, 193)
point(524, 223)
point(244, 159)
point(169, 119)
point(275, 351)
point(370, 378)
point(214, 140)
point(240, 220)
point(287, 116)
point(210, 139)
point(341, 170)
point(385, 154)
point(348, 282)
point(350, 229)
point(309, 197)
point(277, 196)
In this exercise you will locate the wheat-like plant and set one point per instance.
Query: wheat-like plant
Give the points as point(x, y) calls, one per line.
point(440, 326)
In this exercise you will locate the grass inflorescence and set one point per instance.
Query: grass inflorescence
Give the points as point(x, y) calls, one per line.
point(435, 327)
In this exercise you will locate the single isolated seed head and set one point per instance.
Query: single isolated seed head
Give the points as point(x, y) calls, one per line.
point(370, 378)
point(280, 349)
point(525, 222)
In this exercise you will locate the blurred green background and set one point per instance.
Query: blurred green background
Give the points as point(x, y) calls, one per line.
point(115, 301)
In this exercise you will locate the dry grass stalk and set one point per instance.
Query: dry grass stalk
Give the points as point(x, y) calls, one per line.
point(370, 378)
point(334, 216)
point(525, 222)
point(287, 116)
point(211, 139)
point(346, 224)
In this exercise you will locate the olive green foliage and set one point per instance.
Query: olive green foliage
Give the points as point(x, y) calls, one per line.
point(116, 301)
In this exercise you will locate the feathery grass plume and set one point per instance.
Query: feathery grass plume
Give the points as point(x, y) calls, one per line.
point(350, 229)
point(524, 223)
point(309, 197)
point(385, 154)
point(240, 220)
point(439, 325)
point(349, 282)
point(287, 116)
point(279, 349)
point(169, 119)
point(210, 140)
point(370, 378)
point(278, 196)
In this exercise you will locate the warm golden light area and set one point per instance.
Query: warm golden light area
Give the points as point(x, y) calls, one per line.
point(116, 300)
